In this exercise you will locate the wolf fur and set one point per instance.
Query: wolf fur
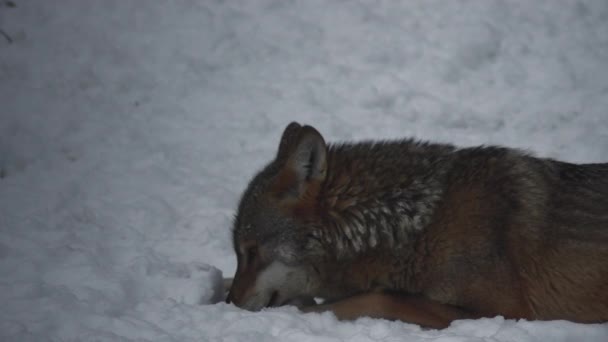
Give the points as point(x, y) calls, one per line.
point(421, 232)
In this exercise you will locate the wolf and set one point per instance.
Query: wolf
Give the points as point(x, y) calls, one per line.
point(422, 232)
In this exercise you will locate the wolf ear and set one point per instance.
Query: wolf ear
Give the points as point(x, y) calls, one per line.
point(287, 140)
point(305, 160)
point(309, 156)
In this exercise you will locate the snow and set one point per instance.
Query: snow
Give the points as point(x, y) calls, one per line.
point(128, 130)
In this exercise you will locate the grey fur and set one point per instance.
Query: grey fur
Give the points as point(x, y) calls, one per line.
point(380, 198)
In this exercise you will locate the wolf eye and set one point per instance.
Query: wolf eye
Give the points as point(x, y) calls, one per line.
point(252, 253)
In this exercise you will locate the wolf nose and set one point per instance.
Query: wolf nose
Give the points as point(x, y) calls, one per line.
point(227, 286)
point(229, 298)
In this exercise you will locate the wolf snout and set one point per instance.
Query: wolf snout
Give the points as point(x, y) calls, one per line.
point(252, 300)
point(258, 301)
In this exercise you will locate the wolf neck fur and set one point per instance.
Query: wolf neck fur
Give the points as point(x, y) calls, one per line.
point(380, 200)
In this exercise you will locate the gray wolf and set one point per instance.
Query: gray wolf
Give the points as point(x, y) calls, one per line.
point(421, 232)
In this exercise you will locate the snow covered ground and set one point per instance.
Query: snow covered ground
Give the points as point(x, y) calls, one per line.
point(128, 130)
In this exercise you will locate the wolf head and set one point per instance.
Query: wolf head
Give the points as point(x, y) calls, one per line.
point(278, 254)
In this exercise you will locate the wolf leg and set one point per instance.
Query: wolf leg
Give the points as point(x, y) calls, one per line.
point(409, 309)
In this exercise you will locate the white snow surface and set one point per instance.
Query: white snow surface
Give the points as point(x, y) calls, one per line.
point(128, 130)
